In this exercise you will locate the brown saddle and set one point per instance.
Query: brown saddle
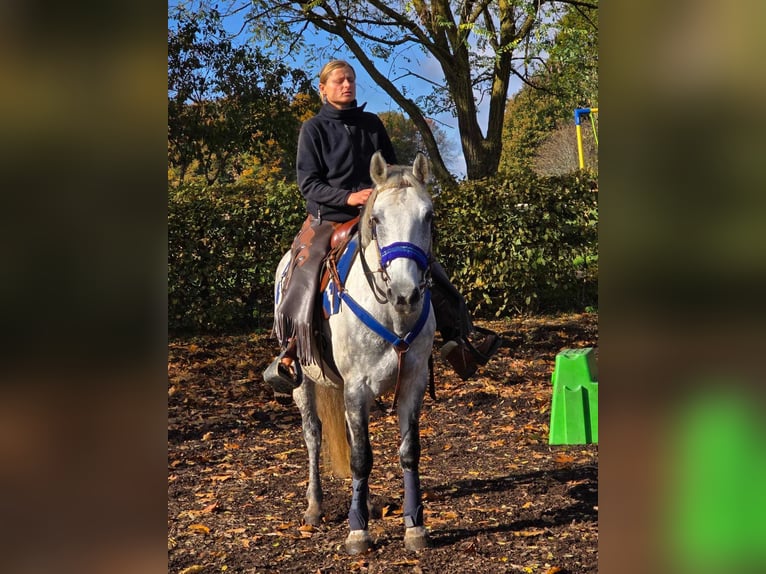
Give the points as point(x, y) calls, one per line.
point(341, 236)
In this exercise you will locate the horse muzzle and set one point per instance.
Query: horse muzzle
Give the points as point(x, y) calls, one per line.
point(405, 302)
point(401, 291)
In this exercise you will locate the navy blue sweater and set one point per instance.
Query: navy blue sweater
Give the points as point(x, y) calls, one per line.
point(334, 152)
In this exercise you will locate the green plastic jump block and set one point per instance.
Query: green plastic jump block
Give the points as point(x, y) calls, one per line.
point(574, 406)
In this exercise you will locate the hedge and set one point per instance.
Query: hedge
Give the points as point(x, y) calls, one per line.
point(223, 246)
point(520, 245)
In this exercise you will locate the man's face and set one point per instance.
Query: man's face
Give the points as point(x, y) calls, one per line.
point(340, 88)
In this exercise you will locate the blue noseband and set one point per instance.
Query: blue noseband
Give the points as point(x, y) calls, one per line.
point(403, 249)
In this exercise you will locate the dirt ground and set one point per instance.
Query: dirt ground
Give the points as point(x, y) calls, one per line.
point(497, 497)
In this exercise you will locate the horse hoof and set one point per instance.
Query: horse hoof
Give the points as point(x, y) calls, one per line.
point(314, 519)
point(415, 539)
point(358, 542)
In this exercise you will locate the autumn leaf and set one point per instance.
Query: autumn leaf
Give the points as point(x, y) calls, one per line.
point(390, 511)
point(285, 454)
point(192, 569)
point(306, 530)
point(221, 477)
point(209, 508)
point(563, 459)
point(199, 528)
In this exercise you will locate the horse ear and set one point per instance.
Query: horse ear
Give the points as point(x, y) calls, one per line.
point(420, 168)
point(378, 168)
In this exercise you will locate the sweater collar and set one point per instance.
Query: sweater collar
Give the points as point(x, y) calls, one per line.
point(344, 113)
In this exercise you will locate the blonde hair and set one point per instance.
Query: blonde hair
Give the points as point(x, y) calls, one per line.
point(331, 66)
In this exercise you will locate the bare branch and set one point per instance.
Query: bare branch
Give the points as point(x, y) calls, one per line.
point(411, 73)
point(405, 23)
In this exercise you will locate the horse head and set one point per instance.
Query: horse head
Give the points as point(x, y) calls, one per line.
point(397, 217)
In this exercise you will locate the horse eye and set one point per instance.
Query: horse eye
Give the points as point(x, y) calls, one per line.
point(429, 217)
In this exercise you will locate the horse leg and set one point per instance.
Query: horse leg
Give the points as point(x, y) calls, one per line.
point(305, 398)
point(357, 420)
point(415, 535)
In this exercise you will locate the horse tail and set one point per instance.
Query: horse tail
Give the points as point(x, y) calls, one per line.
point(332, 412)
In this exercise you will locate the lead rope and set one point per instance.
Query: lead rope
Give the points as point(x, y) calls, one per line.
point(431, 384)
point(400, 351)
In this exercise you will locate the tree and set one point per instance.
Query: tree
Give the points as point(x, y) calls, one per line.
point(227, 102)
point(408, 141)
point(477, 44)
point(542, 111)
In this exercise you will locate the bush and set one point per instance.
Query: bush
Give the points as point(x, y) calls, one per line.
point(522, 244)
point(515, 245)
point(224, 244)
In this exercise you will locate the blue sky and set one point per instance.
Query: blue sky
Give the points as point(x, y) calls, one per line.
point(377, 100)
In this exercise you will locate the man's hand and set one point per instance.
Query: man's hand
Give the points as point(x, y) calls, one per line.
point(359, 197)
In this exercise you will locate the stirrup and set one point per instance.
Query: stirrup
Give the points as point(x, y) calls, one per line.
point(483, 355)
point(280, 378)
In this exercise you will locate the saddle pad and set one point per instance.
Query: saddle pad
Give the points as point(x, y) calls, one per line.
point(330, 296)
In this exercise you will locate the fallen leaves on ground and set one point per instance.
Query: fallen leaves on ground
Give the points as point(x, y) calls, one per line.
point(497, 498)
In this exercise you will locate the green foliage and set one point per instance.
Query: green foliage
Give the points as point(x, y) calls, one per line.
point(230, 107)
point(517, 245)
point(224, 243)
point(475, 47)
point(523, 244)
point(569, 80)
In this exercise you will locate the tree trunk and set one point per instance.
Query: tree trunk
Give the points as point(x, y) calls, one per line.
point(445, 36)
point(440, 171)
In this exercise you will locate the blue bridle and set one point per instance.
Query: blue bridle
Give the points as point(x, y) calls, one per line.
point(399, 249)
point(403, 249)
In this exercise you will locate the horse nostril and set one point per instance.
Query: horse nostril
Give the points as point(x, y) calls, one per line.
point(415, 297)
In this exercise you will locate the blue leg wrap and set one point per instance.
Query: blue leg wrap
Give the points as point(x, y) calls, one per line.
point(359, 514)
point(413, 509)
